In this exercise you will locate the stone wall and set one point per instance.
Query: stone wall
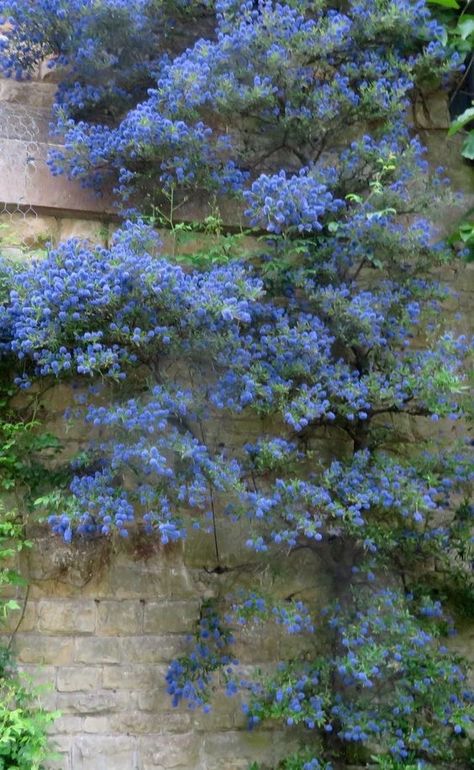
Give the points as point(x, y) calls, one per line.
point(100, 625)
point(102, 621)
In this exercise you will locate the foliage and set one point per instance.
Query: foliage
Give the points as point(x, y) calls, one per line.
point(334, 325)
point(458, 23)
point(461, 122)
point(23, 722)
point(24, 450)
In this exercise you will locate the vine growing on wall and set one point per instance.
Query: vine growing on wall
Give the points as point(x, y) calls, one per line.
point(24, 722)
point(332, 326)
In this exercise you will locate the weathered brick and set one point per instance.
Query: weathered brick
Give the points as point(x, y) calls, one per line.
point(66, 617)
point(119, 618)
point(170, 617)
point(76, 678)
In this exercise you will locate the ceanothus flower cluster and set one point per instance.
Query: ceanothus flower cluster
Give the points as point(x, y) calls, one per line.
point(301, 72)
point(277, 203)
point(331, 332)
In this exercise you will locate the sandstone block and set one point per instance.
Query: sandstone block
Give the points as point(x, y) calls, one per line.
point(432, 113)
point(223, 715)
point(104, 752)
point(133, 677)
point(91, 703)
point(67, 725)
point(94, 650)
point(23, 619)
point(27, 93)
point(28, 230)
point(129, 579)
point(35, 648)
point(42, 676)
point(170, 617)
point(157, 700)
point(119, 618)
point(77, 678)
point(151, 649)
point(169, 751)
point(61, 762)
point(96, 725)
point(85, 229)
point(262, 746)
point(136, 723)
point(66, 617)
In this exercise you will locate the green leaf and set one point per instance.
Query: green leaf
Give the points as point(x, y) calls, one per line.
point(468, 147)
point(445, 3)
point(466, 26)
point(461, 121)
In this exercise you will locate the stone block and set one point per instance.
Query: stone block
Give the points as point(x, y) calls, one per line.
point(61, 761)
point(156, 700)
point(170, 617)
point(77, 678)
point(258, 643)
point(220, 749)
point(91, 230)
point(23, 619)
point(29, 230)
point(136, 723)
point(222, 715)
point(174, 721)
point(91, 703)
point(104, 752)
point(133, 677)
point(95, 650)
point(39, 676)
point(66, 617)
point(119, 618)
point(67, 725)
point(27, 93)
point(432, 112)
point(128, 579)
point(36, 648)
point(97, 725)
point(164, 751)
point(26, 177)
point(152, 649)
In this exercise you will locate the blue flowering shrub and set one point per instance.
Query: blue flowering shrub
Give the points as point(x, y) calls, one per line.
point(335, 325)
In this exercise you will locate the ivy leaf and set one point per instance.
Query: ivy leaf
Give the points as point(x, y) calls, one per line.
point(468, 147)
point(466, 26)
point(445, 3)
point(461, 121)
